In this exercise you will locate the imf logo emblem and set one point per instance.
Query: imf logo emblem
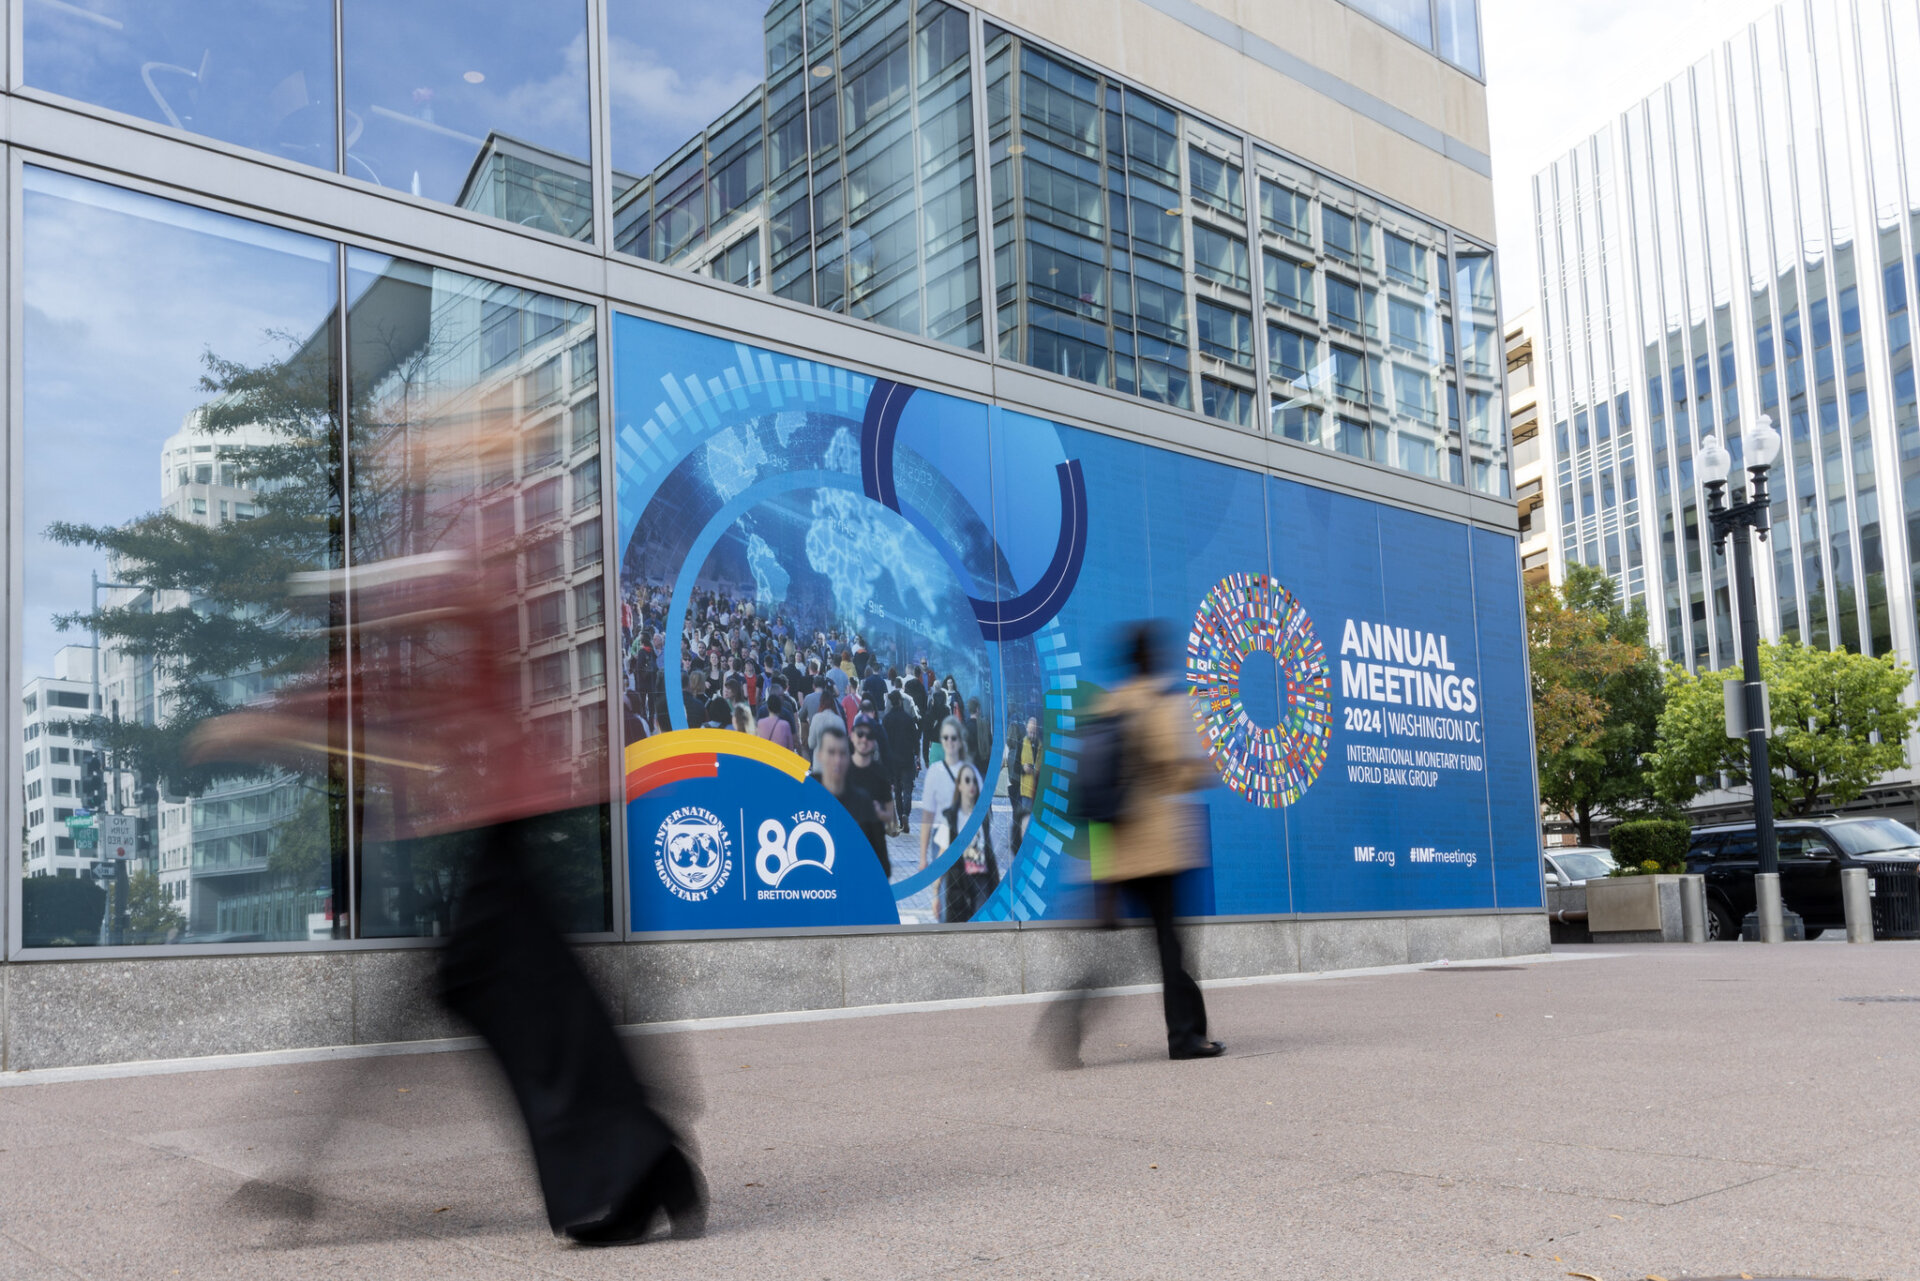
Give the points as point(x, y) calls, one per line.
point(692, 853)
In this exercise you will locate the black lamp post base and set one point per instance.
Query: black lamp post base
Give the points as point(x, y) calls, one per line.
point(1793, 929)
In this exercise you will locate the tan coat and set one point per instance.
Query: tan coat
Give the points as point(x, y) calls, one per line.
point(1157, 835)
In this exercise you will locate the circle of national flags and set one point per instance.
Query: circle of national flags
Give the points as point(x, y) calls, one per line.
point(1246, 614)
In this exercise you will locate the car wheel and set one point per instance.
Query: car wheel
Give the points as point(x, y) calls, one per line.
point(1814, 932)
point(1721, 927)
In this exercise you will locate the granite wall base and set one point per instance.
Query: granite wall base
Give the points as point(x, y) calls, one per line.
point(74, 1013)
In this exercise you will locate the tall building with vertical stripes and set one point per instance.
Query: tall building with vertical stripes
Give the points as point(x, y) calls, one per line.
point(1741, 242)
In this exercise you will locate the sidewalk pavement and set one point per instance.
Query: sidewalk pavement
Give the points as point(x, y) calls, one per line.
point(1614, 1113)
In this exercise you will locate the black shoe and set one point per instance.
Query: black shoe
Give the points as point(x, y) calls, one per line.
point(672, 1187)
point(1197, 1050)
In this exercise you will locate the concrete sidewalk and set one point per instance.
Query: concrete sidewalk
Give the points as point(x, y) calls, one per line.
point(1676, 1111)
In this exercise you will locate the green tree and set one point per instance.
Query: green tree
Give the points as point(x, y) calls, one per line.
point(1597, 693)
point(1840, 721)
point(150, 918)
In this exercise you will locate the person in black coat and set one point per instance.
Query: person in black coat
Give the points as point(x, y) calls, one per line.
point(900, 746)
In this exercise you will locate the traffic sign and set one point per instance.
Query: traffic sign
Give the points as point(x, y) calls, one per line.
point(117, 834)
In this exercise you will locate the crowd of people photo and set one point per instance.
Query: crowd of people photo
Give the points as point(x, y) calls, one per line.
point(900, 745)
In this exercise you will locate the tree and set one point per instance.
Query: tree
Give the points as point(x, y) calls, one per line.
point(1840, 721)
point(1597, 693)
point(150, 918)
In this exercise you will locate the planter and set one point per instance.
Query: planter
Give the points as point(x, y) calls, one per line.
point(1634, 909)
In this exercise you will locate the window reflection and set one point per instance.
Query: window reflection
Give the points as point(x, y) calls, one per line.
point(1481, 364)
point(481, 104)
point(1088, 200)
point(825, 156)
point(1460, 33)
point(195, 486)
point(1411, 18)
point(1379, 357)
point(467, 400)
point(255, 75)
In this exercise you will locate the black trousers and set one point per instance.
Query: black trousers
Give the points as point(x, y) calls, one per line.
point(507, 971)
point(1185, 1008)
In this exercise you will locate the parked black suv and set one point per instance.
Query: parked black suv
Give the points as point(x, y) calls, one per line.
point(1812, 853)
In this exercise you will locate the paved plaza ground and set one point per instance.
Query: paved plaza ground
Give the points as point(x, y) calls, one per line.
point(1611, 1113)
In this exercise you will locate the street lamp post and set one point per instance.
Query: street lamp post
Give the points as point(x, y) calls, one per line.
point(1761, 444)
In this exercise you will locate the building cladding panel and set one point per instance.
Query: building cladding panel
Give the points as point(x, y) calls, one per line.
point(1739, 242)
point(999, 182)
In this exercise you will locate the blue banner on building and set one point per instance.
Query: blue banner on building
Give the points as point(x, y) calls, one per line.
point(861, 621)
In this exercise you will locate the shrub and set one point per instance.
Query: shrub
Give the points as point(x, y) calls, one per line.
point(61, 911)
point(1651, 845)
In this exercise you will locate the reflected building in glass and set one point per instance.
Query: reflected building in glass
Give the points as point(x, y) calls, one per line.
point(1741, 242)
point(312, 292)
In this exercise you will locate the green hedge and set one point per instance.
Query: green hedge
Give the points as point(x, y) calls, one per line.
point(61, 911)
point(1651, 845)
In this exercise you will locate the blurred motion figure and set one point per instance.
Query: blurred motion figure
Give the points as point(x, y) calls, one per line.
point(1141, 755)
point(439, 757)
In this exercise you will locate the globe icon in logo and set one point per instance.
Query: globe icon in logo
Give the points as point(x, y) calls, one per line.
point(692, 851)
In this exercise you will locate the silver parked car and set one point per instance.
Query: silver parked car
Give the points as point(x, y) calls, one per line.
point(1577, 864)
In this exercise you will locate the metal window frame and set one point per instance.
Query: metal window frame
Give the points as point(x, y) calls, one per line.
point(17, 159)
point(98, 144)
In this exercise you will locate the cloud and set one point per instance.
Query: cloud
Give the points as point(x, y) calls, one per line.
point(657, 107)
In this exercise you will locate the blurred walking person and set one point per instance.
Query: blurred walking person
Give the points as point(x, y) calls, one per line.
point(437, 739)
point(1140, 757)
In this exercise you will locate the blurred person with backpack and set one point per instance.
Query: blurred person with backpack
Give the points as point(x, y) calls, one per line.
point(1139, 757)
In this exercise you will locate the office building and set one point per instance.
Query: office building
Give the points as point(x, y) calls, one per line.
point(726, 335)
point(1741, 242)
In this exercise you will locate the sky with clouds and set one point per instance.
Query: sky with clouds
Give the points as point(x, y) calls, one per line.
point(1558, 70)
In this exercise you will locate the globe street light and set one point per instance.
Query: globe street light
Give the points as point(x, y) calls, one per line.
point(1761, 445)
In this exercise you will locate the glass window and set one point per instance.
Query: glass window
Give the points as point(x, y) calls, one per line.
point(590, 603)
point(1291, 355)
point(1349, 374)
point(1411, 18)
point(437, 436)
point(1343, 305)
point(1353, 437)
point(1216, 181)
point(1219, 257)
point(1406, 260)
point(542, 502)
point(1289, 283)
point(1089, 232)
point(546, 617)
point(1226, 402)
point(586, 424)
point(224, 338)
point(847, 136)
point(254, 75)
point(1286, 212)
point(593, 665)
point(480, 104)
point(1339, 234)
point(1225, 333)
point(1407, 326)
point(586, 485)
point(1460, 33)
point(1485, 424)
point(588, 546)
point(1413, 394)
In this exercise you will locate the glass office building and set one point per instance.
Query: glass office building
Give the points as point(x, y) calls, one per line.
point(306, 288)
point(1741, 242)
